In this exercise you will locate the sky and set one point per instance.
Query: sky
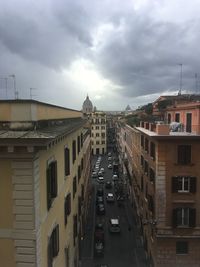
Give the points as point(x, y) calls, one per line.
point(117, 52)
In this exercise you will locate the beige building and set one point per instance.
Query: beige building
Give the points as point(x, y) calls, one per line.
point(98, 133)
point(45, 165)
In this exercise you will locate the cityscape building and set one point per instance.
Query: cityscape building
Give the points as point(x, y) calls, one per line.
point(98, 132)
point(44, 186)
point(162, 172)
point(87, 107)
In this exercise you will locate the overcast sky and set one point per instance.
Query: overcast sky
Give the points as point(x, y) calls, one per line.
point(118, 52)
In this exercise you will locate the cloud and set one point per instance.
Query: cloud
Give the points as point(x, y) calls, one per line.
point(129, 50)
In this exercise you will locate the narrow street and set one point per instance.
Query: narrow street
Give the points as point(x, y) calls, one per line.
point(122, 249)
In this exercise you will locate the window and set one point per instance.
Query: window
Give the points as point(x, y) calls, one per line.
point(142, 183)
point(53, 245)
point(67, 161)
point(97, 142)
point(79, 205)
point(168, 118)
point(79, 144)
point(81, 164)
point(51, 183)
point(184, 184)
point(97, 127)
point(74, 150)
point(97, 134)
point(142, 141)
point(103, 135)
point(81, 140)
point(151, 203)
point(67, 257)
point(74, 186)
point(181, 247)
point(67, 207)
point(152, 175)
point(146, 145)
point(142, 161)
point(79, 173)
point(184, 217)
point(184, 154)
point(75, 229)
point(152, 150)
point(146, 167)
point(103, 127)
point(177, 117)
point(82, 192)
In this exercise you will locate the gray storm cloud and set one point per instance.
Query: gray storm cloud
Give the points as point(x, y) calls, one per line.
point(139, 53)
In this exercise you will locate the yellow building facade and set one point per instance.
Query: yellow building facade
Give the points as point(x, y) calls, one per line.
point(45, 166)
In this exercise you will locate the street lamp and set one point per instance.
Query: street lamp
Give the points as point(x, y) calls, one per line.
point(14, 81)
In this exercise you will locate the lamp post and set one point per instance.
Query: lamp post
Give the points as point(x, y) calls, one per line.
point(14, 81)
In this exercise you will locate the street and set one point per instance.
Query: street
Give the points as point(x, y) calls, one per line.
point(122, 249)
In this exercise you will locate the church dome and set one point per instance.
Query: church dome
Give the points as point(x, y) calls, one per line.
point(87, 105)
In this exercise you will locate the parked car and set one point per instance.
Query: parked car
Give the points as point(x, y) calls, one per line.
point(98, 248)
point(99, 232)
point(94, 174)
point(102, 170)
point(108, 185)
point(109, 154)
point(109, 166)
point(101, 179)
point(100, 209)
point(100, 191)
point(110, 198)
point(114, 226)
point(109, 159)
point(100, 173)
point(115, 177)
point(99, 200)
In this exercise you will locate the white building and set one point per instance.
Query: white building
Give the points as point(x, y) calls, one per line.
point(87, 107)
point(98, 133)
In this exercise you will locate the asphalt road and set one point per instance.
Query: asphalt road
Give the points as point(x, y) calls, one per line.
point(123, 249)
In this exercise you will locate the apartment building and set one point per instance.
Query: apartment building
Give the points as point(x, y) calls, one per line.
point(98, 133)
point(167, 194)
point(45, 166)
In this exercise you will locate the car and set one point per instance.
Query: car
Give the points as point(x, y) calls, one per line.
point(99, 200)
point(98, 248)
point(99, 232)
point(110, 198)
point(101, 179)
point(109, 166)
point(114, 226)
point(100, 173)
point(96, 169)
point(115, 177)
point(102, 170)
point(109, 158)
point(108, 185)
point(100, 191)
point(109, 154)
point(94, 174)
point(100, 209)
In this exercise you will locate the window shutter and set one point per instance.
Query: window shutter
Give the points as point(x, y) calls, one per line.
point(174, 218)
point(192, 217)
point(54, 179)
point(193, 182)
point(68, 203)
point(174, 184)
point(67, 161)
point(48, 181)
point(49, 254)
point(65, 211)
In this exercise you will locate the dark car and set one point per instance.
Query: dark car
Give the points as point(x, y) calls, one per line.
point(99, 200)
point(100, 191)
point(98, 248)
point(100, 209)
point(108, 185)
point(99, 233)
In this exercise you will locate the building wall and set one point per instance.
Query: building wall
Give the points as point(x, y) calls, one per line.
point(34, 111)
point(98, 128)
